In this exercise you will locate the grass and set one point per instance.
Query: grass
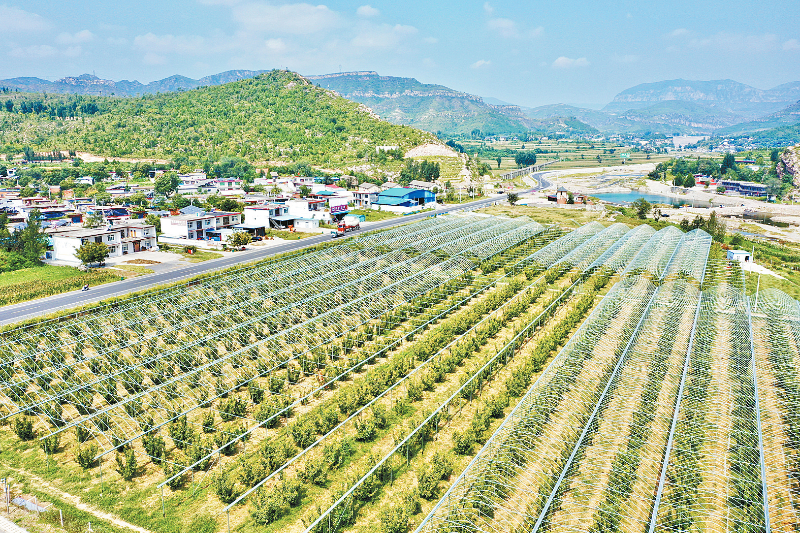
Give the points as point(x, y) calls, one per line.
point(199, 256)
point(544, 215)
point(289, 235)
point(31, 283)
point(373, 215)
point(135, 269)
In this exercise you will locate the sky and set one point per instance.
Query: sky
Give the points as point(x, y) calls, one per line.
point(527, 53)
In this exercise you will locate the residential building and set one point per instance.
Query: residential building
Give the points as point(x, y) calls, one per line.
point(259, 217)
point(744, 188)
point(121, 240)
point(196, 226)
point(424, 185)
point(366, 195)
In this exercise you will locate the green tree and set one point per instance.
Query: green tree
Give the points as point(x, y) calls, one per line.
point(166, 183)
point(689, 182)
point(94, 220)
point(642, 207)
point(525, 159)
point(92, 252)
point(240, 238)
point(728, 163)
point(499, 160)
point(512, 197)
point(154, 220)
point(32, 242)
point(305, 191)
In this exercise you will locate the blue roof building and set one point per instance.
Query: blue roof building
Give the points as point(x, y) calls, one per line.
point(404, 199)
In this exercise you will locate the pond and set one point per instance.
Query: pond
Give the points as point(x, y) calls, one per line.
point(628, 197)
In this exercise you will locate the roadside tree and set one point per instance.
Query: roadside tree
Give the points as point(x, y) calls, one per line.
point(642, 207)
point(92, 252)
point(240, 238)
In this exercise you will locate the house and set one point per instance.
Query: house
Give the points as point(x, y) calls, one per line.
point(196, 226)
point(742, 256)
point(308, 208)
point(259, 217)
point(121, 240)
point(228, 185)
point(404, 200)
point(366, 195)
point(390, 185)
point(744, 188)
point(424, 185)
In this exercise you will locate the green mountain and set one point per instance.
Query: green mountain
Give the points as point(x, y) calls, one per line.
point(433, 108)
point(275, 116)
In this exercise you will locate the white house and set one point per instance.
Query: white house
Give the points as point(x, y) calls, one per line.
point(308, 208)
point(742, 256)
point(121, 240)
point(198, 226)
point(262, 216)
point(366, 195)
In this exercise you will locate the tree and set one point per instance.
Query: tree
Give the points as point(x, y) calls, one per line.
point(9, 106)
point(642, 207)
point(720, 189)
point(92, 252)
point(512, 197)
point(240, 238)
point(525, 159)
point(166, 183)
point(728, 163)
point(657, 214)
point(774, 155)
point(499, 160)
point(570, 198)
point(689, 182)
point(154, 220)
point(305, 191)
point(32, 242)
point(94, 220)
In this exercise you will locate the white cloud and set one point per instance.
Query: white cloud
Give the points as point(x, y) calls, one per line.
point(169, 44)
point(294, 19)
point(431, 40)
point(367, 11)
point(151, 58)
point(505, 27)
point(39, 51)
point(84, 36)
point(791, 44)
point(680, 32)
point(627, 58)
point(16, 20)
point(565, 62)
point(736, 42)
point(481, 63)
point(73, 51)
point(275, 45)
point(383, 36)
point(488, 8)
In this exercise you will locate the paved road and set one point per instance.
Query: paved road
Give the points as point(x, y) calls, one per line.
point(43, 306)
point(542, 183)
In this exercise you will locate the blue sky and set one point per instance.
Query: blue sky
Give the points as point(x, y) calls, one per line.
point(528, 53)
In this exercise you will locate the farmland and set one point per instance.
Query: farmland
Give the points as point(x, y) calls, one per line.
point(461, 373)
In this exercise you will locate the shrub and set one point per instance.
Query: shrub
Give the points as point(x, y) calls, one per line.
point(276, 383)
point(232, 409)
point(463, 441)
point(82, 434)
point(366, 429)
point(225, 487)
point(23, 427)
point(171, 468)
point(154, 446)
point(50, 444)
point(256, 392)
point(314, 471)
point(126, 464)
point(85, 456)
point(208, 422)
point(269, 506)
point(303, 432)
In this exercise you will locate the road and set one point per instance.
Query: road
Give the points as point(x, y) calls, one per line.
point(542, 183)
point(68, 300)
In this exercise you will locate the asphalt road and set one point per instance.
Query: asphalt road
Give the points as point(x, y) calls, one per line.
point(542, 183)
point(68, 300)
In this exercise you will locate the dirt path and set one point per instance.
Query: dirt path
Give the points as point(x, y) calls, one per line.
point(45, 486)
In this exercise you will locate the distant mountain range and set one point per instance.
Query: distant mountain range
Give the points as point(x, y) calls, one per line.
point(723, 107)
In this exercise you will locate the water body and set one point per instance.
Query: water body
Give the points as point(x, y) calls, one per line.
point(625, 198)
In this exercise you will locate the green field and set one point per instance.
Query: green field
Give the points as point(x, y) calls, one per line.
point(30, 283)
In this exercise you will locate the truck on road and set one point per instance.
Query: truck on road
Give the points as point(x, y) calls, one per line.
point(345, 227)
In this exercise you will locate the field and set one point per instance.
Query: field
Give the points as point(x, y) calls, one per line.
point(461, 373)
point(29, 283)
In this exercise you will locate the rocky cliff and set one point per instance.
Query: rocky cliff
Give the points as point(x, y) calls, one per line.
point(790, 164)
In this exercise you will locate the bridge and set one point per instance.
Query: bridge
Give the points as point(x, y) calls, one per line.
point(527, 170)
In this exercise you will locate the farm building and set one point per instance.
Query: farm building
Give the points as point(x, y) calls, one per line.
point(742, 256)
point(404, 200)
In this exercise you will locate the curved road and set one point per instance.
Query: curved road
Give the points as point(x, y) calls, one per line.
point(44, 306)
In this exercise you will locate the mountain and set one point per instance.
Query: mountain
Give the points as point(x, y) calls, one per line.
point(726, 95)
point(91, 84)
point(425, 106)
point(278, 115)
point(787, 116)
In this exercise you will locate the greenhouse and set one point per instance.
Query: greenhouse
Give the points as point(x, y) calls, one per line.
point(461, 373)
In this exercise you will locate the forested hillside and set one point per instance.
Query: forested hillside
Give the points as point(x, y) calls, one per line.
point(276, 116)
